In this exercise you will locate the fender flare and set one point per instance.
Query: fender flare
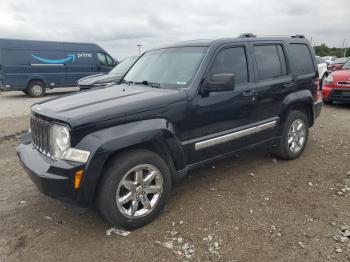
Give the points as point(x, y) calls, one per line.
point(300, 99)
point(105, 143)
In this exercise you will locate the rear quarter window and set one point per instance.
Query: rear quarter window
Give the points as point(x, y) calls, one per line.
point(302, 59)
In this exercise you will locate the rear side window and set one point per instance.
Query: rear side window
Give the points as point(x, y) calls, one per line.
point(270, 60)
point(302, 59)
point(232, 60)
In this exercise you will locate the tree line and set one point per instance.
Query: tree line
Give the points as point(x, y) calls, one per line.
point(323, 50)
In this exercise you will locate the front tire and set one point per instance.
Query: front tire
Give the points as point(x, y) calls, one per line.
point(36, 89)
point(294, 136)
point(134, 188)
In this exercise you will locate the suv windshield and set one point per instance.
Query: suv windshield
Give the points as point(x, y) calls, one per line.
point(167, 68)
point(123, 66)
point(347, 64)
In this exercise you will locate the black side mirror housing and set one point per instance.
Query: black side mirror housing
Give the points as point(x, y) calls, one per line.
point(220, 83)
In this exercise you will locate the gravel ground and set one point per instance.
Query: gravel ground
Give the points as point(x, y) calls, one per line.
point(248, 208)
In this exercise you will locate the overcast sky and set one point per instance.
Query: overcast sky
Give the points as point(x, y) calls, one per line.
point(119, 25)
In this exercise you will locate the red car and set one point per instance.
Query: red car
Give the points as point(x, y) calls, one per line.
point(337, 64)
point(336, 86)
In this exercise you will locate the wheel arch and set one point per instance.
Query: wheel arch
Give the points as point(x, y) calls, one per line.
point(156, 135)
point(36, 78)
point(301, 101)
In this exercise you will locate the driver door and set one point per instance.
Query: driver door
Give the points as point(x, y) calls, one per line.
point(215, 119)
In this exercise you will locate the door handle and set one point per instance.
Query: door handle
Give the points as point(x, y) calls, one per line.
point(248, 93)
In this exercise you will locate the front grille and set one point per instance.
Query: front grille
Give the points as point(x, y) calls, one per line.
point(41, 135)
point(343, 83)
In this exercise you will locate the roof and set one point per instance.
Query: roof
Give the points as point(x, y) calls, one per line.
point(243, 37)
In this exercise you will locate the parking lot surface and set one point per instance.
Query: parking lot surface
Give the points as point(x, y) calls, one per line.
point(251, 207)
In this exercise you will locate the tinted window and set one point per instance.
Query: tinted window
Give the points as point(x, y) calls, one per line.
point(302, 59)
point(270, 64)
point(102, 59)
point(232, 60)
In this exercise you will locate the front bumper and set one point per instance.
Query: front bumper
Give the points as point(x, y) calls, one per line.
point(54, 178)
point(336, 94)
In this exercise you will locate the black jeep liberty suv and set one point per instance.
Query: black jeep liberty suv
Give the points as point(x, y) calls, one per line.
point(177, 108)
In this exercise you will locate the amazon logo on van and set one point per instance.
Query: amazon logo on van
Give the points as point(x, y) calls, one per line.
point(70, 57)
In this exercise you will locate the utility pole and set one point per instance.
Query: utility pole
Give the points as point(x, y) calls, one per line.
point(344, 46)
point(139, 46)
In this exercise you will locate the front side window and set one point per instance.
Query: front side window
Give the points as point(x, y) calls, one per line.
point(232, 60)
point(270, 61)
point(102, 59)
point(168, 67)
point(302, 59)
point(109, 60)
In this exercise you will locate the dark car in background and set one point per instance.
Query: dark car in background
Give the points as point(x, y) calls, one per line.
point(33, 66)
point(110, 78)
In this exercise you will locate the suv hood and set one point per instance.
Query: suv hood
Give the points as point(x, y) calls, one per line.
point(98, 79)
point(98, 105)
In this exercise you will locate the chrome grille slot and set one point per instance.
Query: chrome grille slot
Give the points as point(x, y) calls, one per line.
point(343, 83)
point(41, 135)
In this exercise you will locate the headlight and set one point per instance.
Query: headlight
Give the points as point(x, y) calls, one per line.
point(329, 79)
point(61, 146)
point(60, 140)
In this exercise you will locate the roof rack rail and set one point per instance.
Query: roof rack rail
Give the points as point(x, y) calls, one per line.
point(298, 36)
point(244, 35)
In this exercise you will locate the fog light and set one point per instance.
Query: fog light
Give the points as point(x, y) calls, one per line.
point(77, 179)
point(77, 155)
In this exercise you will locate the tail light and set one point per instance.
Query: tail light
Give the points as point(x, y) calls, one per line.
point(317, 94)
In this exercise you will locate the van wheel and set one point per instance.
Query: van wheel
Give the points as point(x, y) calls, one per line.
point(294, 136)
point(36, 89)
point(134, 188)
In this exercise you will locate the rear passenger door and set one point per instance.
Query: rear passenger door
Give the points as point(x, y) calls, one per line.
point(274, 82)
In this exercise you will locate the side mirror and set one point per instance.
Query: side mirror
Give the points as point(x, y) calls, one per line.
point(220, 83)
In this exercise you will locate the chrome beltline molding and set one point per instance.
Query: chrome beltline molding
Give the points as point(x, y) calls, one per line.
point(234, 135)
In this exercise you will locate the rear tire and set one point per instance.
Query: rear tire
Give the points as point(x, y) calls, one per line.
point(294, 137)
point(36, 89)
point(124, 197)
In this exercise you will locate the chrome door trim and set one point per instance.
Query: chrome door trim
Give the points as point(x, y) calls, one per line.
point(235, 135)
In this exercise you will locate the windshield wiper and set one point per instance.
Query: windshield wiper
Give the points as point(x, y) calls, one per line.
point(126, 82)
point(147, 83)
